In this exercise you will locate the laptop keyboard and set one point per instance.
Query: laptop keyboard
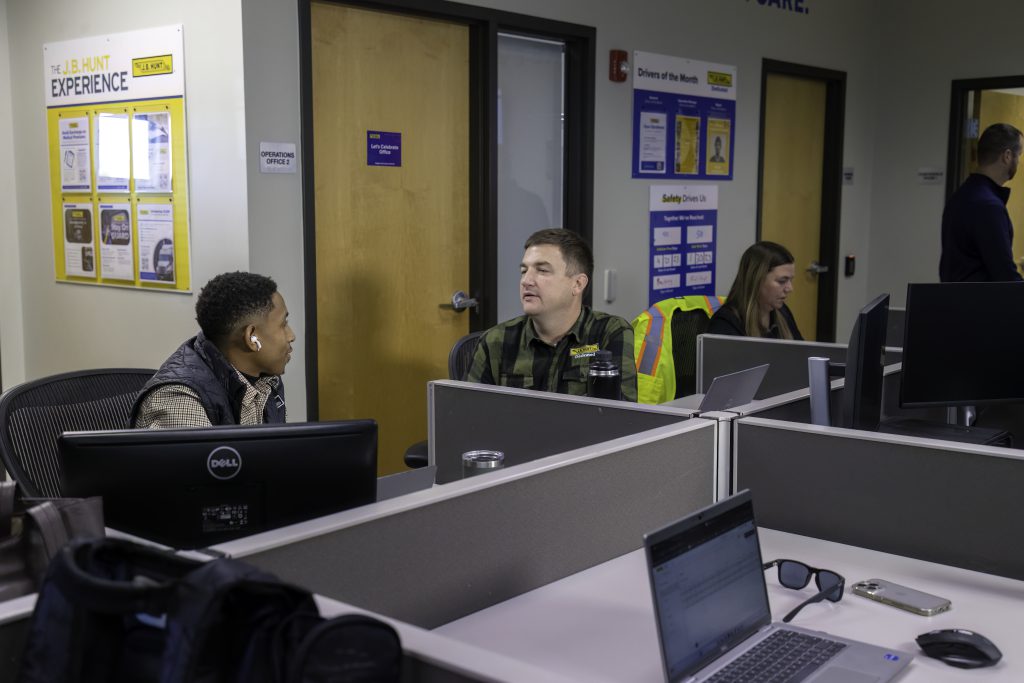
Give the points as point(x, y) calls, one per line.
point(784, 656)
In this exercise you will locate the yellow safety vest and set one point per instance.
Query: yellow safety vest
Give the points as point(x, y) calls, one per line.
point(652, 345)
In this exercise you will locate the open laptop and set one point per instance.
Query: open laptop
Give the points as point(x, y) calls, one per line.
point(711, 606)
point(726, 391)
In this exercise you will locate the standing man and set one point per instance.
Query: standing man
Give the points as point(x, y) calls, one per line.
point(550, 347)
point(230, 372)
point(977, 235)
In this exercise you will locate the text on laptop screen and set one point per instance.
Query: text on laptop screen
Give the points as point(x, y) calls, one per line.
point(709, 589)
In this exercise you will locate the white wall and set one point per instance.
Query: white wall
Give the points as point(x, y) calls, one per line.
point(12, 344)
point(925, 46)
point(69, 326)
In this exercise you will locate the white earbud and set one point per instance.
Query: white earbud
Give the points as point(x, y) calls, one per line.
point(256, 340)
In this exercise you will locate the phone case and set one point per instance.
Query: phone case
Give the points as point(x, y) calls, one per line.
point(894, 594)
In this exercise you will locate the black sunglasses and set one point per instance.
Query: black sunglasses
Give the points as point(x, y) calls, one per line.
point(796, 575)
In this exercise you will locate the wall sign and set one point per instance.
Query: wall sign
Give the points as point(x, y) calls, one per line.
point(383, 149)
point(277, 157)
point(684, 223)
point(684, 114)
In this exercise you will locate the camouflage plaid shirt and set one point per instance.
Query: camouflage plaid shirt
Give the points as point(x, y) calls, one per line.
point(512, 355)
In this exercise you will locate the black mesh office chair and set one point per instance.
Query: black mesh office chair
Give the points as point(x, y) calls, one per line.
point(686, 327)
point(459, 360)
point(34, 414)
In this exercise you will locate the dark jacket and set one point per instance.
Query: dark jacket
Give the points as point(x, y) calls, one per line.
point(727, 321)
point(977, 235)
point(200, 366)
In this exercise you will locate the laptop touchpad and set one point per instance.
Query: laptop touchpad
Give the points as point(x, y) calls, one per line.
point(836, 674)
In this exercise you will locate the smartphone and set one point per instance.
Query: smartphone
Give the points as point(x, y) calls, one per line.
point(902, 597)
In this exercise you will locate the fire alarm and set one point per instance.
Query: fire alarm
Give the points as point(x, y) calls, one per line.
point(618, 66)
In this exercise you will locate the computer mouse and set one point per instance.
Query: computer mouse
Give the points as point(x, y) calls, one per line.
point(960, 647)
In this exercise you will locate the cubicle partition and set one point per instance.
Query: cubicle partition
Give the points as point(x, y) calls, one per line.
point(940, 501)
point(787, 360)
point(525, 424)
point(434, 556)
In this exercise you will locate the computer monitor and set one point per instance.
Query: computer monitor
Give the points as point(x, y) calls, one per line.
point(963, 344)
point(865, 361)
point(865, 357)
point(192, 488)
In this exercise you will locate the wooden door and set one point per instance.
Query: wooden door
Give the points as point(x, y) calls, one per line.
point(391, 242)
point(792, 174)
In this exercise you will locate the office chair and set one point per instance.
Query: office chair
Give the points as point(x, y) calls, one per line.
point(459, 361)
point(686, 327)
point(34, 414)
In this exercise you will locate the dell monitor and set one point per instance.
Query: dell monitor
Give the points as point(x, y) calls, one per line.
point(963, 344)
point(192, 488)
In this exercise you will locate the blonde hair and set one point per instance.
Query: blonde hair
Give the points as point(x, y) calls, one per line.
point(757, 261)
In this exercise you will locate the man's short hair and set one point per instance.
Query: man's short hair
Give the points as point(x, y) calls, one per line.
point(576, 252)
point(995, 139)
point(230, 299)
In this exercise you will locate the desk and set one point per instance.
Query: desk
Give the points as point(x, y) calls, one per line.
point(598, 625)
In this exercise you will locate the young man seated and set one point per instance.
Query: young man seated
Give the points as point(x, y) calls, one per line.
point(550, 347)
point(230, 372)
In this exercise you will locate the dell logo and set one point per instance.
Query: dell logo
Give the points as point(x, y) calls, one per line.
point(224, 462)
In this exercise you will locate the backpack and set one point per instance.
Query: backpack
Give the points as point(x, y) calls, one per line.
point(113, 610)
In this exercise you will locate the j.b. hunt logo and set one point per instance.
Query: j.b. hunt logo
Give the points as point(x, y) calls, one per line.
point(224, 462)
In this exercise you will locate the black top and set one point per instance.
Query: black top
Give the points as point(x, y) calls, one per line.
point(977, 235)
point(727, 321)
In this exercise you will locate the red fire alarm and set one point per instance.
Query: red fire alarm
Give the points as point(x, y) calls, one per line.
point(618, 66)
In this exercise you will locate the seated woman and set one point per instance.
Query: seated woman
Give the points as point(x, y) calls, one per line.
point(756, 305)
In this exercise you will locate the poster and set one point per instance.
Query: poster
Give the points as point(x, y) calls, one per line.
point(684, 226)
point(113, 154)
point(79, 249)
point(683, 114)
point(151, 151)
point(116, 254)
point(75, 166)
point(156, 242)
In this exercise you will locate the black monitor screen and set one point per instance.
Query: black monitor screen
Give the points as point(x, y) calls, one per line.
point(862, 392)
point(963, 344)
point(191, 488)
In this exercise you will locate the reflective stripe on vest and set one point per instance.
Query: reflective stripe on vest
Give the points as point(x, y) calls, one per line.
point(651, 349)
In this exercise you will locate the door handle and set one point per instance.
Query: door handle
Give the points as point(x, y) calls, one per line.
point(816, 268)
point(460, 302)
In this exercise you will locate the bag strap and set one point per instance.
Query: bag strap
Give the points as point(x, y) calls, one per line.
point(7, 490)
point(50, 525)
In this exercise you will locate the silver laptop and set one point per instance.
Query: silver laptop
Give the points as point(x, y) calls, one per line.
point(711, 605)
point(726, 391)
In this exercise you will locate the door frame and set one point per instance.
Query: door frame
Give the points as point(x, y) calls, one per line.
point(831, 181)
point(578, 157)
point(958, 119)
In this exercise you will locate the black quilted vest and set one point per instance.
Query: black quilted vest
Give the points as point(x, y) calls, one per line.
point(200, 366)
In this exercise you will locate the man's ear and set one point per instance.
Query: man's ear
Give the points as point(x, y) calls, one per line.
point(249, 338)
point(579, 284)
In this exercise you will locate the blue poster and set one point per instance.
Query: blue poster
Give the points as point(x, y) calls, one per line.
point(383, 149)
point(683, 116)
point(684, 223)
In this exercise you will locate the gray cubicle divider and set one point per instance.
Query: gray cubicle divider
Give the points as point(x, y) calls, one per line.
point(525, 424)
point(434, 556)
point(787, 360)
point(940, 501)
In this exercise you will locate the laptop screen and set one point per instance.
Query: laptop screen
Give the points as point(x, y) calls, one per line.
point(708, 585)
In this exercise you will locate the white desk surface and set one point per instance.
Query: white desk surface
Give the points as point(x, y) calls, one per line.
point(598, 625)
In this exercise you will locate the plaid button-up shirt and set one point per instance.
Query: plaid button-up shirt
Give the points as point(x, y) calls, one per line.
point(511, 354)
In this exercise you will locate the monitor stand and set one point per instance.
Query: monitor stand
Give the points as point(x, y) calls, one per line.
point(948, 432)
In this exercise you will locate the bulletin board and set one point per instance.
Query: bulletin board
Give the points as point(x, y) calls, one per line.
point(118, 168)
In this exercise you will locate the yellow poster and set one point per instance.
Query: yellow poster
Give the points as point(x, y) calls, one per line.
point(687, 143)
point(718, 146)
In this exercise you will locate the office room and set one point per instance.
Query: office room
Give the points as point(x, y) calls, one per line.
point(246, 65)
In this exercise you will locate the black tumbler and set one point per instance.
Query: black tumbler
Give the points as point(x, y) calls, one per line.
point(604, 379)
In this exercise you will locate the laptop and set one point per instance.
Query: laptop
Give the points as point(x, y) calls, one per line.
point(711, 605)
point(726, 391)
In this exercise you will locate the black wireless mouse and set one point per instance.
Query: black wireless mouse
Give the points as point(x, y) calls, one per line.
point(960, 647)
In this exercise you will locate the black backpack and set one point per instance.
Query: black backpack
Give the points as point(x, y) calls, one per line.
point(112, 610)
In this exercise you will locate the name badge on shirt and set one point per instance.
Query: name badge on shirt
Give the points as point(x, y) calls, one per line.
point(588, 351)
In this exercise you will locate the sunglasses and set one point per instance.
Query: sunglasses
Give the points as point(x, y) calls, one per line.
point(797, 575)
